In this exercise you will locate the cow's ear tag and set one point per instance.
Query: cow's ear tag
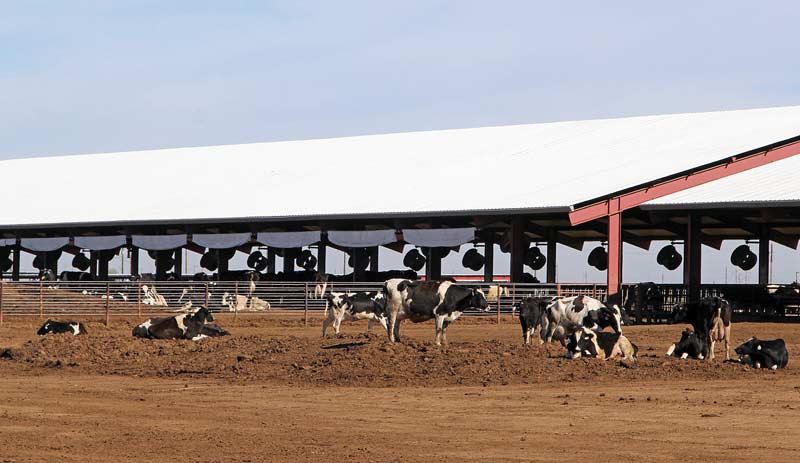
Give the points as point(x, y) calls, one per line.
point(758, 348)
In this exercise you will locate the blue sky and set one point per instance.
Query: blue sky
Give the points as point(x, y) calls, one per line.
point(97, 76)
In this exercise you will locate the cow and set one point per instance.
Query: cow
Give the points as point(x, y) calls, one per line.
point(532, 316)
point(354, 306)
point(565, 315)
point(642, 297)
point(184, 326)
point(419, 301)
point(690, 345)
point(711, 318)
point(55, 327)
point(764, 354)
point(602, 344)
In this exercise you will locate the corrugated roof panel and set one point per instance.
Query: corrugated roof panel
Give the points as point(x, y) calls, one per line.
point(778, 181)
point(522, 166)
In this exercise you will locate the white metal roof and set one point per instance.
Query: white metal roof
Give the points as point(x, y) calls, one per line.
point(775, 182)
point(492, 168)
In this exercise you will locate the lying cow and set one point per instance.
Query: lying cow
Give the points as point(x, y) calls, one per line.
point(184, 326)
point(419, 301)
point(532, 316)
point(566, 315)
point(710, 318)
point(54, 327)
point(352, 307)
point(764, 354)
point(690, 345)
point(603, 345)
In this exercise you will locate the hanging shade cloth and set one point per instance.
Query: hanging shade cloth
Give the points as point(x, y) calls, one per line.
point(7, 242)
point(439, 237)
point(158, 242)
point(362, 239)
point(289, 240)
point(100, 243)
point(221, 240)
point(44, 244)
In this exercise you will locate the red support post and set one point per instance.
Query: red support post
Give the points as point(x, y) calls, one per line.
point(614, 274)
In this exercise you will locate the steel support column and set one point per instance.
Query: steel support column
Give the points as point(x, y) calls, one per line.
point(288, 260)
point(178, 262)
point(517, 249)
point(433, 265)
point(692, 252)
point(614, 274)
point(373, 259)
point(322, 254)
point(16, 263)
point(134, 261)
point(271, 261)
point(93, 263)
point(551, 258)
point(488, 254)
point(763, 256)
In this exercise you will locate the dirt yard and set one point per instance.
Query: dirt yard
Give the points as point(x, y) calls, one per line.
point(276, 391)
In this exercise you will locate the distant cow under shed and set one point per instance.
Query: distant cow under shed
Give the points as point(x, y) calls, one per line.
point(419, 301)
point(764, 354)
point(532, 316)
point(56, 327)
point(184, 326)
point(710, 318)
point(354, 306)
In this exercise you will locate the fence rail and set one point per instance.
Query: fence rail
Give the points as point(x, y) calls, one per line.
point(130, 298)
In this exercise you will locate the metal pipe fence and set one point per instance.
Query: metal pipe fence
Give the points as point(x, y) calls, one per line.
point(113, 298)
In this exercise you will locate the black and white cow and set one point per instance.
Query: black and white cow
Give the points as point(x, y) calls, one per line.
point(600, 344)
point(566, 315)
point(352, 307)
point(184, 326)
point(690, 345)
point(532, 316)
point(54, 327)
point(419, 301)
point(764, 354)
point(710, 318)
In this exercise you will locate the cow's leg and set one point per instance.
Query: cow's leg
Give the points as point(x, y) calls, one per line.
point(444, 332)
point(670, 350)
point(369, 324)
point(337, 324)
point(394, 329)
point(325, 324)
point(439, 329)
point(711, 350)
point(727, 342)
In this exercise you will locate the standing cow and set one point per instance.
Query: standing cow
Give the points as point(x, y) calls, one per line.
point(566, 315)
point(354, 306)
point(532, 316)
point(711, 319)
point(419, 301)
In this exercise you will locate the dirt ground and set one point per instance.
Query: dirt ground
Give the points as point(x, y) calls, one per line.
point(276, 391)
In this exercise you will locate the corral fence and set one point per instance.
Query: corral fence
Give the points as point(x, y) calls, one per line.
point(109, 299)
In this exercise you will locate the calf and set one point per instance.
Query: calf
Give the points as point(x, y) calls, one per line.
point(764, 354)
point(419, 301)
point(354, 306)
point(690, 345)
point(603, 345)
point(184, 326)
point(710, 318)
point(54, 327)
point(532, 316)
point(566, 315)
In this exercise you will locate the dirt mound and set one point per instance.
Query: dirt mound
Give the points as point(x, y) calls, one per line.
point(355, 360)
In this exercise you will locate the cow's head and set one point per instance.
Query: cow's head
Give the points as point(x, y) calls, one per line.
point(477, 300)
point(337, 300)
point(688, 338)
point(611, 316)
point(582, 343)
point(203, 315)
point(45, 328)
point(750, 347)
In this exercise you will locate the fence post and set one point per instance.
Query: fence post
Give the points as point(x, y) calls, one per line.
point(108, 301)
point(499, 296)
point(206, 298)
point(41, 299)
point(139, 298)
point(235, 300)
point(1, 303)
point(305, 305)
point(558, 289)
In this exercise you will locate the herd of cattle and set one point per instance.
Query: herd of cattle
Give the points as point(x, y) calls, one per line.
point(578, 322)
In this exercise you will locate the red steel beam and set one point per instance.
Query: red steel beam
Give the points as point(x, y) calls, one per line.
point(634, 198)
point(614, 273)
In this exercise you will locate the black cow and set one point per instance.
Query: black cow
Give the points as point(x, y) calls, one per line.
point(55, 327)
point(184, 326)
point(710, 318)
point(764, 354)
point(68, 275)
point(419, 301)
point(532, 316)
point(600, 344)
point(641, 297)
point(690, 345)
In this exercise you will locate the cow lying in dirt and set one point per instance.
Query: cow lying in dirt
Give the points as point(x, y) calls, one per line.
point(764, 354)
point(354, 306)
point(600, 344)
point(185, 326)
point(690, 345)
point(54, 327)
point(565, 316)
point(711, 319)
